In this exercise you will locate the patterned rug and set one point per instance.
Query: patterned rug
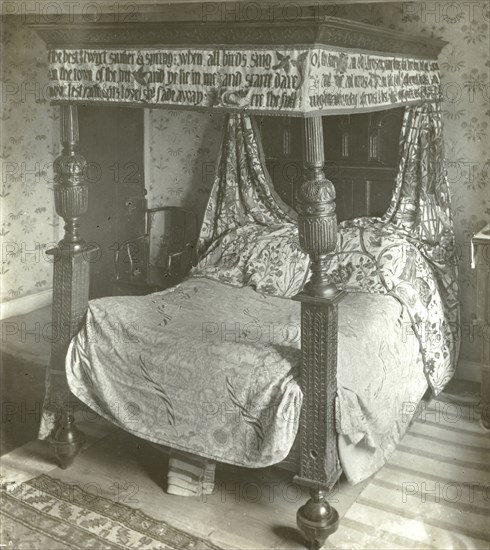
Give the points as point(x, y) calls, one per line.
point(435, 490)
point(45, 513)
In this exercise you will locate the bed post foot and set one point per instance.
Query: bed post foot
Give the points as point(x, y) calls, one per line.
point(67, 441)
point(317, 520)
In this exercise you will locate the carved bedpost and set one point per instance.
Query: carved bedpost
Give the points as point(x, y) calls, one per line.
point(319, 463)
point(71, 261)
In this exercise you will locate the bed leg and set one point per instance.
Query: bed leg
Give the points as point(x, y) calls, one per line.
point(317, 520)
point(67, 441)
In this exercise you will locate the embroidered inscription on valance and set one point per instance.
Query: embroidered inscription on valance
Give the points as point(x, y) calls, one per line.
point(293, 81)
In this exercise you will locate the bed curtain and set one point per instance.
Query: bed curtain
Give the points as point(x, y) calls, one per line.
point(249, 236)
point(242, 193)
point(421, 207)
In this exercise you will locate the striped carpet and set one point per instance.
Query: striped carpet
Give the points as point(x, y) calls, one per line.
point(433, 493)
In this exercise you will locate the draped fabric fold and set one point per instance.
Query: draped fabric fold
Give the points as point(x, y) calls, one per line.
point(242, 193)
point(420, 206)
point(249, 236)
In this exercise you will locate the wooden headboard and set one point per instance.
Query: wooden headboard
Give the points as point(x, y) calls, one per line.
point(361, 154)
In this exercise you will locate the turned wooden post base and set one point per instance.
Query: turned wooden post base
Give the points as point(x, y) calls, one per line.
point(317, 520)
point(67, 441)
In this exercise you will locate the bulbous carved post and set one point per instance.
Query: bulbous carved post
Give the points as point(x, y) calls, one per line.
point(317, 225)
point(70, 191)
point(71, 261)
point(317, 222)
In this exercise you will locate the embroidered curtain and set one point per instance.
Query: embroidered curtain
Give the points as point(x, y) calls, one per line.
point(421, 209)
point(421, 203)
point(249, 236)
point(242, 193)
point(410, 251)
point(420, 206)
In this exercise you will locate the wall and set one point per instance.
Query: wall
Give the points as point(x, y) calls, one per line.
point(182, 148)
point(30, 143)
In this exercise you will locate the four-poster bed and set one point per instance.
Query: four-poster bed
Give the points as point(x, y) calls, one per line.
point(307, 68)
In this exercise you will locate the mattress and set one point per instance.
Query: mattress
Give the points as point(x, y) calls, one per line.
point(213, 370)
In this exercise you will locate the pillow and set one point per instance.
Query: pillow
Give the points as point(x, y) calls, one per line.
point(266, 258)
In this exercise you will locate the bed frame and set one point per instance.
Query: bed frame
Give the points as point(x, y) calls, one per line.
point(319, 461)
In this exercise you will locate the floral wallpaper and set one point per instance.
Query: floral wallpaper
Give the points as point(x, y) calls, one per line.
point(29, 144)
point(183, 149)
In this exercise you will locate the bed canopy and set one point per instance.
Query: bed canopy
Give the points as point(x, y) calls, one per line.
point(310, 68)
point(306, 68)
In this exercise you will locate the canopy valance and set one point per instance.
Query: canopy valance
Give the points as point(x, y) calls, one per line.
point(308, 68)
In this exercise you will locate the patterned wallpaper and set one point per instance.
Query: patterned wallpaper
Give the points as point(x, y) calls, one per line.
point(182, 151)
point(30, 143)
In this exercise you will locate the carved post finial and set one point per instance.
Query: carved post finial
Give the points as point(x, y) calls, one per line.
point(70, 191)
point(317, 222)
